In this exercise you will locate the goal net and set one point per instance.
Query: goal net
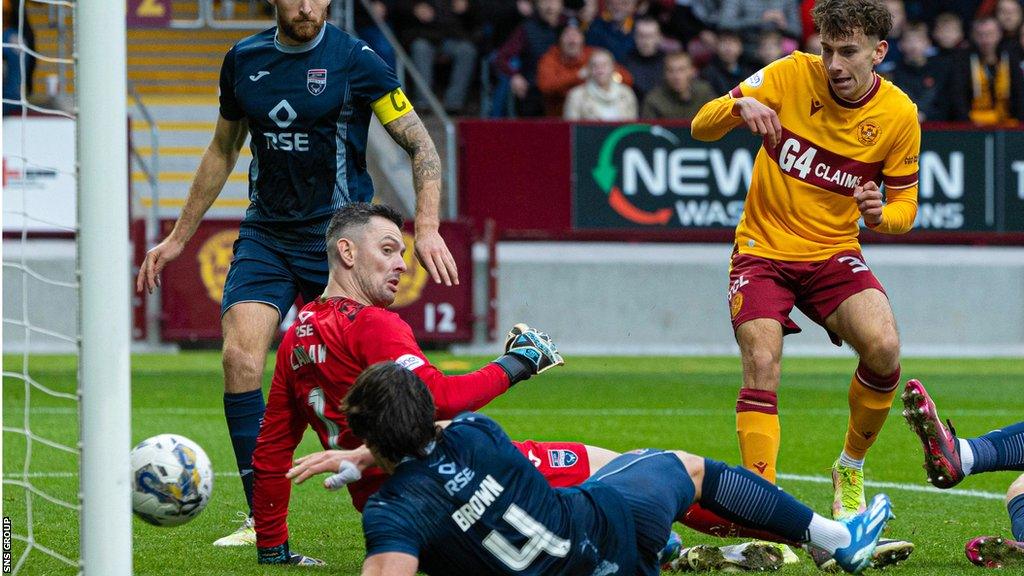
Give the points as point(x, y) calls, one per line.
point(63, 242)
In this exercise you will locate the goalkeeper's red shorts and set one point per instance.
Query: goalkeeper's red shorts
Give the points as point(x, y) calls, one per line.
point(764, 288)
point(562, 464)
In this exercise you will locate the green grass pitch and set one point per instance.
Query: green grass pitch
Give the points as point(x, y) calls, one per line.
point(618, 403)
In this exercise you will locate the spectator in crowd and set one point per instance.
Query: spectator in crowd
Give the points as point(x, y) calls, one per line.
point(899, 21)
point(613, 28)
point(994, 81)
point(929, 10)
point(920, 77)
point(770, 47)
point(681, 95)
point(953, 57)
point(751, 18)
point(727, 69)
point(1010, 15)
point(498, 19)
point(520, 54)
point(442, 27)
point(689, 19)
point(601, 97)
point(16, 33)
point(367, 29)
point(564, 67)
point(948, 33)
point(646, 61)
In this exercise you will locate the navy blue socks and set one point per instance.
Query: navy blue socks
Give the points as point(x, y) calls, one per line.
point(244, 412)
point(738, 494)
point(1001, 449)
point(1016, 509)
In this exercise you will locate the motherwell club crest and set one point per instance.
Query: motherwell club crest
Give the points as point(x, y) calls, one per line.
point(316, 81)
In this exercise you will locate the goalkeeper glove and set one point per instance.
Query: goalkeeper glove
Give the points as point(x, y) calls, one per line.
point(280, 554)
point(528, 352)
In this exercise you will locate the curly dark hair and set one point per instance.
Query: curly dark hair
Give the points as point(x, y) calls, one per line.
point(842, 18)
point(392, 410)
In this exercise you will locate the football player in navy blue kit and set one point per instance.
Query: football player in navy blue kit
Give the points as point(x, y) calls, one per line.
point(304, 92)
point(462, 500)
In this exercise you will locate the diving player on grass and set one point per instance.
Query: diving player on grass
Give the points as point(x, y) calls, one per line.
point(346, 330)
point(462, 500)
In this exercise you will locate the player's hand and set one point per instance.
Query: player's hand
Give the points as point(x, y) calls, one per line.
point(528, 352)
point(433, 254)
point(761, 119)
point(346, 466)
point(156, 259)
point(869, 202)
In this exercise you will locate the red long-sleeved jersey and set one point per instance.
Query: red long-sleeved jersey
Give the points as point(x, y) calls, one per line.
point(320, 357)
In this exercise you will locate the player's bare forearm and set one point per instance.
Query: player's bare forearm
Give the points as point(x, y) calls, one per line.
point(214, 169)
point(410, 133)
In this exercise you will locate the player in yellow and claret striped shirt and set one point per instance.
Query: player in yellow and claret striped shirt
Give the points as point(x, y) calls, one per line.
point(834, 132)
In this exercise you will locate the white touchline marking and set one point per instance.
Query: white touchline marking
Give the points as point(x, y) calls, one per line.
point(898, 486)
point(791, 477)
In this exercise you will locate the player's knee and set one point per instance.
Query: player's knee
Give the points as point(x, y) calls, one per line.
point(882, 353)
point(763, 365)
point(1016, 489)
point(239, 362)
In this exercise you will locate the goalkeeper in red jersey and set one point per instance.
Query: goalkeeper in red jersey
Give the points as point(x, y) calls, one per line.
point(348, 329)
point(834, 131)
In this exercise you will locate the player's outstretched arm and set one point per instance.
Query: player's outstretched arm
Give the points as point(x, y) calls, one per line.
point(409, 132)
point(391, 564)
point(217, 163)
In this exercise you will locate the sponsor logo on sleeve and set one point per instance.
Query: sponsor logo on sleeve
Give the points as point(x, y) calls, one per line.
point(410, 361)
point(562, 458)
point(756, 79)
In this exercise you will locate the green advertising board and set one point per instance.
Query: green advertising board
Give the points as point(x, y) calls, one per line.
point(651, 177)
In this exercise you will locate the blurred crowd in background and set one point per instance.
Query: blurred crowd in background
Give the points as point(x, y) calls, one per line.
point(959, 60)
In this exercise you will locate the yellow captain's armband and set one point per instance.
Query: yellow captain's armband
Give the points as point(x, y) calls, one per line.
point(391, 106)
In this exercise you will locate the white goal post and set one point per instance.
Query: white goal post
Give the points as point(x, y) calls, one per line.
point(104, 369)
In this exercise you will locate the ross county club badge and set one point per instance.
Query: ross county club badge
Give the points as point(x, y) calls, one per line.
point(316, 81)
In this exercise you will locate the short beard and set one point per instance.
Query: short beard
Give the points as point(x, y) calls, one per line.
point(302, 31)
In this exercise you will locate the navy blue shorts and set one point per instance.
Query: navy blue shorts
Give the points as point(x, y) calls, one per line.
point(272, 276)
point(658, 489)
